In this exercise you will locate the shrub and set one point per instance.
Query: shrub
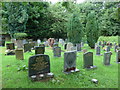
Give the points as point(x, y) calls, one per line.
point(20, 35)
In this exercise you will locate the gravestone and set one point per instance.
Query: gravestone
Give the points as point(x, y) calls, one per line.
point(107, 57)
point(20, 43)
point(88, 60)
point(57, 51)
point(2, 40)
point(69, 45)
point(78, 47)
point(82, 44)
point(27, 47)
point(14, 41)
point(108, 48)
point(70, 62)
point(10, 46)
point(60, 41)
point(19, 54)
point(24, 41)
point(39, 50)
point(39, 68)
point(118, 56)
point(32, 45)
point(65, 46)
point(38, 42)
point(98, 51)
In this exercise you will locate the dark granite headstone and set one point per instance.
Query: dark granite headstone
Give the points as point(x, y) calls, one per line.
point(39, 50)
point(98, 50)
point(107, 57)
point(39, 67)
point(118, 56)
point(27, 47)
point(70, 62)
point(19, 54)
point(88, 60)
point(57, 51)
point(10, 46)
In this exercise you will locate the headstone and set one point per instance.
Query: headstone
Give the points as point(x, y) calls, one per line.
point(98, 50)
point(39, 50)
point(19, 43)
point(82, 44)
point(60, 41)
point(57, 51)
point(32, 45)
point(88, 60)
point(19, 54)
point(24, 41)
point(107, 57)
point(10, 46)
point(70, 62)
point(27, 47)
point(38, 42)
point(2, 40)
point(39, 68)
point(118, 56)
point(108, 48)
point(65, 46)
point(69, 45)
point(78, 47)
point(14, 41)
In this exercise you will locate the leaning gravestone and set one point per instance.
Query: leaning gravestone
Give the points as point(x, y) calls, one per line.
point(39, 50)
point(88, 60)
point(98, 51)
point(27, 47)
point(10, 46)
point(107, 57)
point(70, 62)
point(118, 56)
point(19, 54)
point(78, 47)
point(69, 45)
point(57, 51)
point(39, 68)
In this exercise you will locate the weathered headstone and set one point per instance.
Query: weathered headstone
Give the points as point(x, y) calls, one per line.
point(38, 42)
point(20, 43)
point(57, 51)
point(70, 62)
point(39, 50)
point(118, 56)
point(39, 68)
point(88, 60)
point(19, 54)
point(27, 47)
point(107, 57)
point(78, 47)
point(69, 45)
point(108, 48)
point(98, 50)
point(10, 46)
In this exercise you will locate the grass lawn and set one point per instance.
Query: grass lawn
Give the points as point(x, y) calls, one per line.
point(107, 76)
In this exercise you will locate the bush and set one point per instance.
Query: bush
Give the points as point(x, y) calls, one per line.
point(20, 35)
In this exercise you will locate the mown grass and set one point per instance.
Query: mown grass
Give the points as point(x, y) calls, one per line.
point(107, 76)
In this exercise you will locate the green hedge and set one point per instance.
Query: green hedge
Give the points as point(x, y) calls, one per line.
point(20, 35)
